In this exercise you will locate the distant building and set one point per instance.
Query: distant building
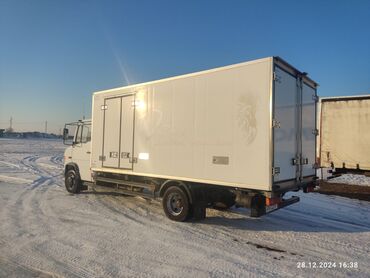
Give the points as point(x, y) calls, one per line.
point(2, 132)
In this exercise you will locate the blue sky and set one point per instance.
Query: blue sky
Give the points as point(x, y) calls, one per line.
point(54, 54)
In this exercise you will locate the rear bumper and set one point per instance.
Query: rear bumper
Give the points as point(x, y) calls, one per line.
point(282, 204)
point(260, 205)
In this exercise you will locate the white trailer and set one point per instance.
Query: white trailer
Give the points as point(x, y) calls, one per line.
point(244, 133)
point(344, 141)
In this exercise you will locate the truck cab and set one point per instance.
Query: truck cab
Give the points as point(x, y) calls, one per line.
point(77, 156)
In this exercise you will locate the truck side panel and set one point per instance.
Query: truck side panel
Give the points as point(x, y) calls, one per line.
point(213, 126)
point(345, 133)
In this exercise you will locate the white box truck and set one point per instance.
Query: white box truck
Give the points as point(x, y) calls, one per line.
point(344, 141)
point(243, 134)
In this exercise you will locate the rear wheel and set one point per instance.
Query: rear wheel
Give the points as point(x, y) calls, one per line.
point(176, 204)
point(73, 181)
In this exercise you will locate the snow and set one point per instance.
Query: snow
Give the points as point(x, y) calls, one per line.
point(352, 179)
point(45, 231)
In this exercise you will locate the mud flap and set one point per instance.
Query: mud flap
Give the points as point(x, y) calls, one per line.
point(258, 206)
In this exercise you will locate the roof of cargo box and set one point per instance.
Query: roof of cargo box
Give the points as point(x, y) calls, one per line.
point(344, 98)
point(288, 67)
point(279, 61)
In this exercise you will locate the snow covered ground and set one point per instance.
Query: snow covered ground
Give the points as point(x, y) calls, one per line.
point(46, 231)
point(351, 179)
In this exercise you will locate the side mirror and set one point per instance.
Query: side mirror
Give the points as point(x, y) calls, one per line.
point(66, 139)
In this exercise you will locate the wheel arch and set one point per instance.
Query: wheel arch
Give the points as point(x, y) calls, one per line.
point(71, 166)
point(168, 183)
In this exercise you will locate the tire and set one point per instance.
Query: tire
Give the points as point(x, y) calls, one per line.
point(176, 204)
point(72, 181)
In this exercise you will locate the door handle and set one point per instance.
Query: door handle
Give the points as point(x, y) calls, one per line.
point(88, 152)
point(125, 155)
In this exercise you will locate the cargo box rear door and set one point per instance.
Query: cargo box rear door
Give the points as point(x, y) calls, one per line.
point(285, 125)
point(309, 131)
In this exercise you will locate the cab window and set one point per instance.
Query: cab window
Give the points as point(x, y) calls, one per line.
point(86, 134)
point(78, 135)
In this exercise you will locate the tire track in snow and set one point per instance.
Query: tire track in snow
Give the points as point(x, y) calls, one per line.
point(29, 219)
point(57, 159)
point(45, 176)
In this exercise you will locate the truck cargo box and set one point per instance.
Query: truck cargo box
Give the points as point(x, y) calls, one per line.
point(345, 132)
point(250, 125)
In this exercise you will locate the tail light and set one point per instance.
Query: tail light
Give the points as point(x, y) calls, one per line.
point(273, 201)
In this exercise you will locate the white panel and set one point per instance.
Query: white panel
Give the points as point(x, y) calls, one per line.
point(308, 126)
point(186, 121)
point(345, 133)
point(111, 132)
point(285, 136)
point(189, 121)
point(127, 130)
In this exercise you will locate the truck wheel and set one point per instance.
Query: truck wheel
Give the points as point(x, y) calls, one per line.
point(72, 181)
point(176, 204)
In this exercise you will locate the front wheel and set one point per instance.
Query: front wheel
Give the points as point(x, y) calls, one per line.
point(176, 204)
point(73, 181)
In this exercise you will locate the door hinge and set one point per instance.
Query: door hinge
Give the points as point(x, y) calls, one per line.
point(125, 155)
point(299, 161)
point(133, 160)
point(315, 98)
point(275, 123)
point(101, 157)
point(295, 161)
point(315, 132)
point(275, 171)
point(104, 107)
point(113, 154)
point(304, 161)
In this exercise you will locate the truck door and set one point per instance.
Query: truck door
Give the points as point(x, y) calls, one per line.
point(127, 132)
point(118, 132)
point(111, 132)
point(81, 150)
point(285, 125)
point(309, 131)
point(294, 127)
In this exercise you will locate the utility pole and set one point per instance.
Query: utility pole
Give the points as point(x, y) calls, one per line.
point(83, 110)
point(10, 129)
point(46, 126)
